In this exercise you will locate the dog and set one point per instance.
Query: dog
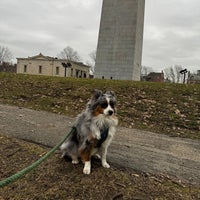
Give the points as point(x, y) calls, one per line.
point(94, 131)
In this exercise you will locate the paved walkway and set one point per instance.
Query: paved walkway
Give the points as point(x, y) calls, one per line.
point(136, 149)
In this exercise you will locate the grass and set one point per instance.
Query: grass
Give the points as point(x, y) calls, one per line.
point(172, 109)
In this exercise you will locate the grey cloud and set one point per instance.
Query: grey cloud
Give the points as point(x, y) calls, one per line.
point(171, 32)
point(49, 26)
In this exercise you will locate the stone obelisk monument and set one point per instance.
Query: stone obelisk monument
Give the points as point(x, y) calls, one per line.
point(119, 50)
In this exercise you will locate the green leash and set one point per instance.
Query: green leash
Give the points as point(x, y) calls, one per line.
point(35, 164)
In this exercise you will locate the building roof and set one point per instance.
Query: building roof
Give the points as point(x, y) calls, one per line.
point(40, 56)
point(154, 77)
point(194, 77)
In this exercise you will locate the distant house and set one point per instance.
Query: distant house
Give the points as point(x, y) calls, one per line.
point(153, 77)
point(194, 78)
point(50, 66)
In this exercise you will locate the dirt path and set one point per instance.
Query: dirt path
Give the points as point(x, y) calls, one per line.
point(139, 150)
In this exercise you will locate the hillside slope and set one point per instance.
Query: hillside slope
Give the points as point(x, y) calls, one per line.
point(172, 109)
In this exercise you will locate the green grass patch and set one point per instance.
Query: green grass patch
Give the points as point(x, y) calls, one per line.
point(172, 109)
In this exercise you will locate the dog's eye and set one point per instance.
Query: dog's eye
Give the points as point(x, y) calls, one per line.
point(104, 105)
point(112, 104)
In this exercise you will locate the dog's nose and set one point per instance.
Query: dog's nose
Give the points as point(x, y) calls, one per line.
point(110, 112)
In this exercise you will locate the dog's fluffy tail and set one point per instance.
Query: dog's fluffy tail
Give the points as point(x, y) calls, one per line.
point(63, 149)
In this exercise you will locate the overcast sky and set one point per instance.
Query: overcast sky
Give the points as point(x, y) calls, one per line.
point(171, 31)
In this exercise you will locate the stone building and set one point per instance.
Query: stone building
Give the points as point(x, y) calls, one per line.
point(119, 49)
point(50, 66)
point(154, 77)
point(194, 78)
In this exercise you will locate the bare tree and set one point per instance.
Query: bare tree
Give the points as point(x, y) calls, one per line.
point(173, 73)
point(169, 74)
point(93, 56)
point(179, 76)
point(92, 60)
point(5, 54)
point(70, 54)
point(146, 70)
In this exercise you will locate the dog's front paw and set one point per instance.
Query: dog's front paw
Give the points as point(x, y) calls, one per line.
point(87, 167)
point(105, 164)
point(75, 162)
point(86, 170)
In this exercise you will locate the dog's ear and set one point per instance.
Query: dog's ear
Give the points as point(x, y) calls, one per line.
point(97, 94)
point(110, 93)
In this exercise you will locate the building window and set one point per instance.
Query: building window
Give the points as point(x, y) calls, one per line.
point(57, 70)
point(77, 73)
point(25, 68)
point(40, 69)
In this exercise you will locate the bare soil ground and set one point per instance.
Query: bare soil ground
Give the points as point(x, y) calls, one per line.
point(58, 179)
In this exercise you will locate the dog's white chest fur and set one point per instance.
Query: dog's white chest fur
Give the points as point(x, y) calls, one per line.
point(100, 122)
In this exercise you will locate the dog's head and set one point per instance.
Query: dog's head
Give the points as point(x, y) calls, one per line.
point(103, 103)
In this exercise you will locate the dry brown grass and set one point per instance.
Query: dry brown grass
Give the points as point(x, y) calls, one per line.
point(58, 179)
